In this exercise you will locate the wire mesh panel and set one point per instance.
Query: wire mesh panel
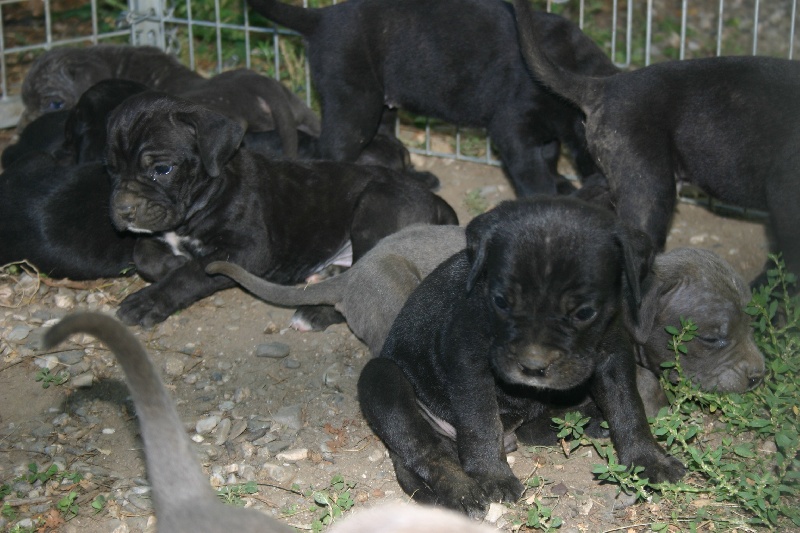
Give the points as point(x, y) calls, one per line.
point(211, 37)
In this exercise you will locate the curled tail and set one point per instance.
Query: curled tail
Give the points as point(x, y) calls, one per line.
point(328, 292)
point(571, 85)
point(170, 459)
point(299, 19)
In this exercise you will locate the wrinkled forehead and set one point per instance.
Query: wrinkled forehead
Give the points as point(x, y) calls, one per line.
point(136, 126)
point(558, 259)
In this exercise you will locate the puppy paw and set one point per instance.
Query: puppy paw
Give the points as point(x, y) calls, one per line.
point(661, 467)
point(143, 309)
point(501, 488)
point(464, 495)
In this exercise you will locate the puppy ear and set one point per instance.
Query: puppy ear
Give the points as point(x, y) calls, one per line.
point(218, 137)
point(638, 282)
point(478, 233)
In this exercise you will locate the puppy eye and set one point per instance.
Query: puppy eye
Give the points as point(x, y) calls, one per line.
point(584, 314)
point(162, 170)
point(55, 105)
point(500, 302)
point(714, 341)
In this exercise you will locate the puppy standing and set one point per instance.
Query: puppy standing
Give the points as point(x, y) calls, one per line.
point(466, 69)
point(179, 176)
point(726, 124)
point(539, 304)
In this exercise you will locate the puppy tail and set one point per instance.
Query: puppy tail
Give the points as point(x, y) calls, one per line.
point(169, 454)
point(299, 19)
point(328, 292)
point(571, 85)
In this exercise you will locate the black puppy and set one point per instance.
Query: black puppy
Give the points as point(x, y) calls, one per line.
point(44, 134)
point(384, 149)
point(538, 305)
point(467, 70)
point(57, 217)
point(726, 124)
point(178, 175)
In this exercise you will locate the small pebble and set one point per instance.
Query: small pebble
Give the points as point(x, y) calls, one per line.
point(82, 381)
point(205, 425)
point(71, 357)
point(20, 332)
point(273, 350)
point(292, 456)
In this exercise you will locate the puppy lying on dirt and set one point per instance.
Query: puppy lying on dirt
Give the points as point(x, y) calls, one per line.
point(728, 125)
point(697, 284)
point(467, 70)
point(58, 77)
point(179, 176)
point(371, 292)
point(182, 496)
point(542, 302)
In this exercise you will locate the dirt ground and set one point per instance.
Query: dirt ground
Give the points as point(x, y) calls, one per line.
point(289, 423)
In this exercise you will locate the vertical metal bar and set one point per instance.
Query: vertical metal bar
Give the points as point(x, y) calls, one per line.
point(648, 32)
point(218, 20)
point(95, 27)
point(48, 24)
point(720, 27)
point(614, 7)
point(247, 61)
point(581, 13)
point(791, 29)
point(755, 29)
point(3, 69)
point(629, 36)
point(190, 34)
point(684, 9)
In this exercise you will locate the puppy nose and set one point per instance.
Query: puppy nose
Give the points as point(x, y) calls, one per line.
point(535, 360)
point(126, 210)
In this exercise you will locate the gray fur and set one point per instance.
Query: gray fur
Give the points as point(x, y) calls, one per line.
point(374, 289)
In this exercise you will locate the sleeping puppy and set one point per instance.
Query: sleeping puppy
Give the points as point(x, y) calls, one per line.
point(179, 176)
point(384, 150)
point(57, 218)
point(697, 284)
point(60, 76)
point(182, 497)
point(539, 305)
point(44, 134)
point(726, 124)
point(467, 71)
point(371, 292)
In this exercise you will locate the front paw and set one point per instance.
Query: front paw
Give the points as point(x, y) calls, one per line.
point(143, 308)
point(501, 488)
point(659, 467)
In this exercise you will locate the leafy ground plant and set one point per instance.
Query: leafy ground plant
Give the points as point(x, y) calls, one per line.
point(741, 450)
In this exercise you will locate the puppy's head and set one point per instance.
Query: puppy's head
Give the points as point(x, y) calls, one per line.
point(561, 278)
point(698, 284)
point(165, 157)
point(58, 78)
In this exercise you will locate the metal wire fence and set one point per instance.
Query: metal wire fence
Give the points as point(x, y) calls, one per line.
point(215, 36)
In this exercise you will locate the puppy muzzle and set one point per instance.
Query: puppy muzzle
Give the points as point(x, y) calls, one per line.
point(535, 361)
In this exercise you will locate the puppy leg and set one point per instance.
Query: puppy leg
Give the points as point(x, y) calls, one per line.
point(529, 154)
point(389, 404)
point(177, 290)
point(346, 129)
point(783, 195)
point(613, 387)
point(154, 259)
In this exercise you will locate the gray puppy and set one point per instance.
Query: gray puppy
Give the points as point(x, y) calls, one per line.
point(373, 290)
point(183, 499)
point(697, 284)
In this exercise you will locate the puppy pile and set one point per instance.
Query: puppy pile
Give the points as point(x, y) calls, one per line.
point(128, 161)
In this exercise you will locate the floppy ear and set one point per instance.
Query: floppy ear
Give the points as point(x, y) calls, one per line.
point(218, 137)
point(639, 293)
point(478, 233)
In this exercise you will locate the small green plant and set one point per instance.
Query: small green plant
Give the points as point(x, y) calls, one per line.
point(99, 503)
point(35, 475)
point(67, 504)
point(47, 378)
point(232, 494)
point(8, 512)
point(335, 500)
point(541, 517)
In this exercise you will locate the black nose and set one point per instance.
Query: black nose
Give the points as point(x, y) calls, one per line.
point(125, 210)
